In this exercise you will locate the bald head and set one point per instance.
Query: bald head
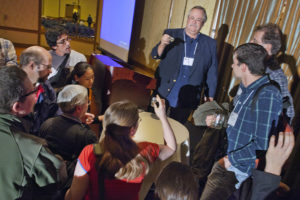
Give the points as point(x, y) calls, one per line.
point(33, 60)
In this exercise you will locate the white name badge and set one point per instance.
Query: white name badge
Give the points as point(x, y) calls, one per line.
point(239, 92)
point(188, 61)
point(232, 119)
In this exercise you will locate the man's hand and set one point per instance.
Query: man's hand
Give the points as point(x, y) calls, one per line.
point(160, 109)
point(278, 154)
point(165, 40)
point(206, 99)
point(227, 163)
point(210, 119)
point(100, 118)
point(88, 118)
point(224, 162)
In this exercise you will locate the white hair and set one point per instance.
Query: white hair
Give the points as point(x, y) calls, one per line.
point(71, 96)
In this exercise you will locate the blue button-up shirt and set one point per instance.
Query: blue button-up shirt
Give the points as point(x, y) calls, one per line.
point(185, 71)
point(252, 127)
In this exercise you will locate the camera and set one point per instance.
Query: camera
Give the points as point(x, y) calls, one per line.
point(154, 101)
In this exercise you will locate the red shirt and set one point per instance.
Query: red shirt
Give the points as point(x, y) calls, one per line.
point(115, 189)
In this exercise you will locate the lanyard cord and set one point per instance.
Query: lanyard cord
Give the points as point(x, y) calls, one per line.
point(185, 46)
point(243, 102)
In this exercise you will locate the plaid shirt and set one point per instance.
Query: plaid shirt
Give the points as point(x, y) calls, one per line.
point(8, 54)
point(279, 76)
point(252, 127)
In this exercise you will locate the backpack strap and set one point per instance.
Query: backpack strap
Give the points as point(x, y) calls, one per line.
point(99, 153)
point(256, 94)
point(59, 79)
point(97, 150)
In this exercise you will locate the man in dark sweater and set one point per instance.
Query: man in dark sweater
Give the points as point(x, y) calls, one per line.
point(67, 134)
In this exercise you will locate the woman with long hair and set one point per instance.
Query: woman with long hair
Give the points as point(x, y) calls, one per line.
point(115, 167)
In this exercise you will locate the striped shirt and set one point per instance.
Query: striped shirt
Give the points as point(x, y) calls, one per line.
point(252, 127)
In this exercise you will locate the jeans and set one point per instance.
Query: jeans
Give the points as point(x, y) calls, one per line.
point(220, 184)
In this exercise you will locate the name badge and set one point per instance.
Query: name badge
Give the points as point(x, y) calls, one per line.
point(239, 92)
point(232, 119)
point(188, 61)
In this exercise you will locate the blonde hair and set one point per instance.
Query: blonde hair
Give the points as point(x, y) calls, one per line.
point(134, 168)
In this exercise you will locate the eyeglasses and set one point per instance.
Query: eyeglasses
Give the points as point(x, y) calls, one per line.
point(64, 41)
point(89, 102)
point(28, 94)
point(200, 20)
point(40, 68)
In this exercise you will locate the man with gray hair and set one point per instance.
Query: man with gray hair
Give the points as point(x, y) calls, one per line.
point(188, 63)
point(66, 134)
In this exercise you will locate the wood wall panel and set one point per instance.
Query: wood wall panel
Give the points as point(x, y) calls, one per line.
point(155, 18)
point(19, 14)
point(20, 37)
point(178, 13)
point(50, 8)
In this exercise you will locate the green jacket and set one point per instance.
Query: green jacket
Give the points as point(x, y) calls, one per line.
point(24, 160)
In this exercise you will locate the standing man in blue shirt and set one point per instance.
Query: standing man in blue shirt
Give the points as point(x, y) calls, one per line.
point(188, 64)
point(249, 125)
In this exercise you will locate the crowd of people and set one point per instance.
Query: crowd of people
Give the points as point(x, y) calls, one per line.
point(47, 109)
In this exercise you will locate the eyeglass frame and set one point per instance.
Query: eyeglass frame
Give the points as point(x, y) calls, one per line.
point(46, 67)
point(34, 91)
point(63, 41)
point(197, 20)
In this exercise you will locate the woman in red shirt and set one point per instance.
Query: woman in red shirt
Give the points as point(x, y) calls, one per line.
point(115, 168)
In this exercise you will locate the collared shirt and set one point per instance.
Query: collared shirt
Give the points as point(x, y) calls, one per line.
point(279, 76)
point(8, 54)
point(185, 71)
point(252, 128)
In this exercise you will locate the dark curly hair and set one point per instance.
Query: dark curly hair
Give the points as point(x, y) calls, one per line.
point(254, 56)
point(52, 35)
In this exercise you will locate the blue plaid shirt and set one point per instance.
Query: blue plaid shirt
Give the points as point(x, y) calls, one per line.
point(279, 76)
point(252, 128)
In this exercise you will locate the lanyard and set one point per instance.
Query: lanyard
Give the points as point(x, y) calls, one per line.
point(243, 102)
point(185, 46)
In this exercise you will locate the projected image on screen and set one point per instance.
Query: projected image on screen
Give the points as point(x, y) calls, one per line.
point(116, 27)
